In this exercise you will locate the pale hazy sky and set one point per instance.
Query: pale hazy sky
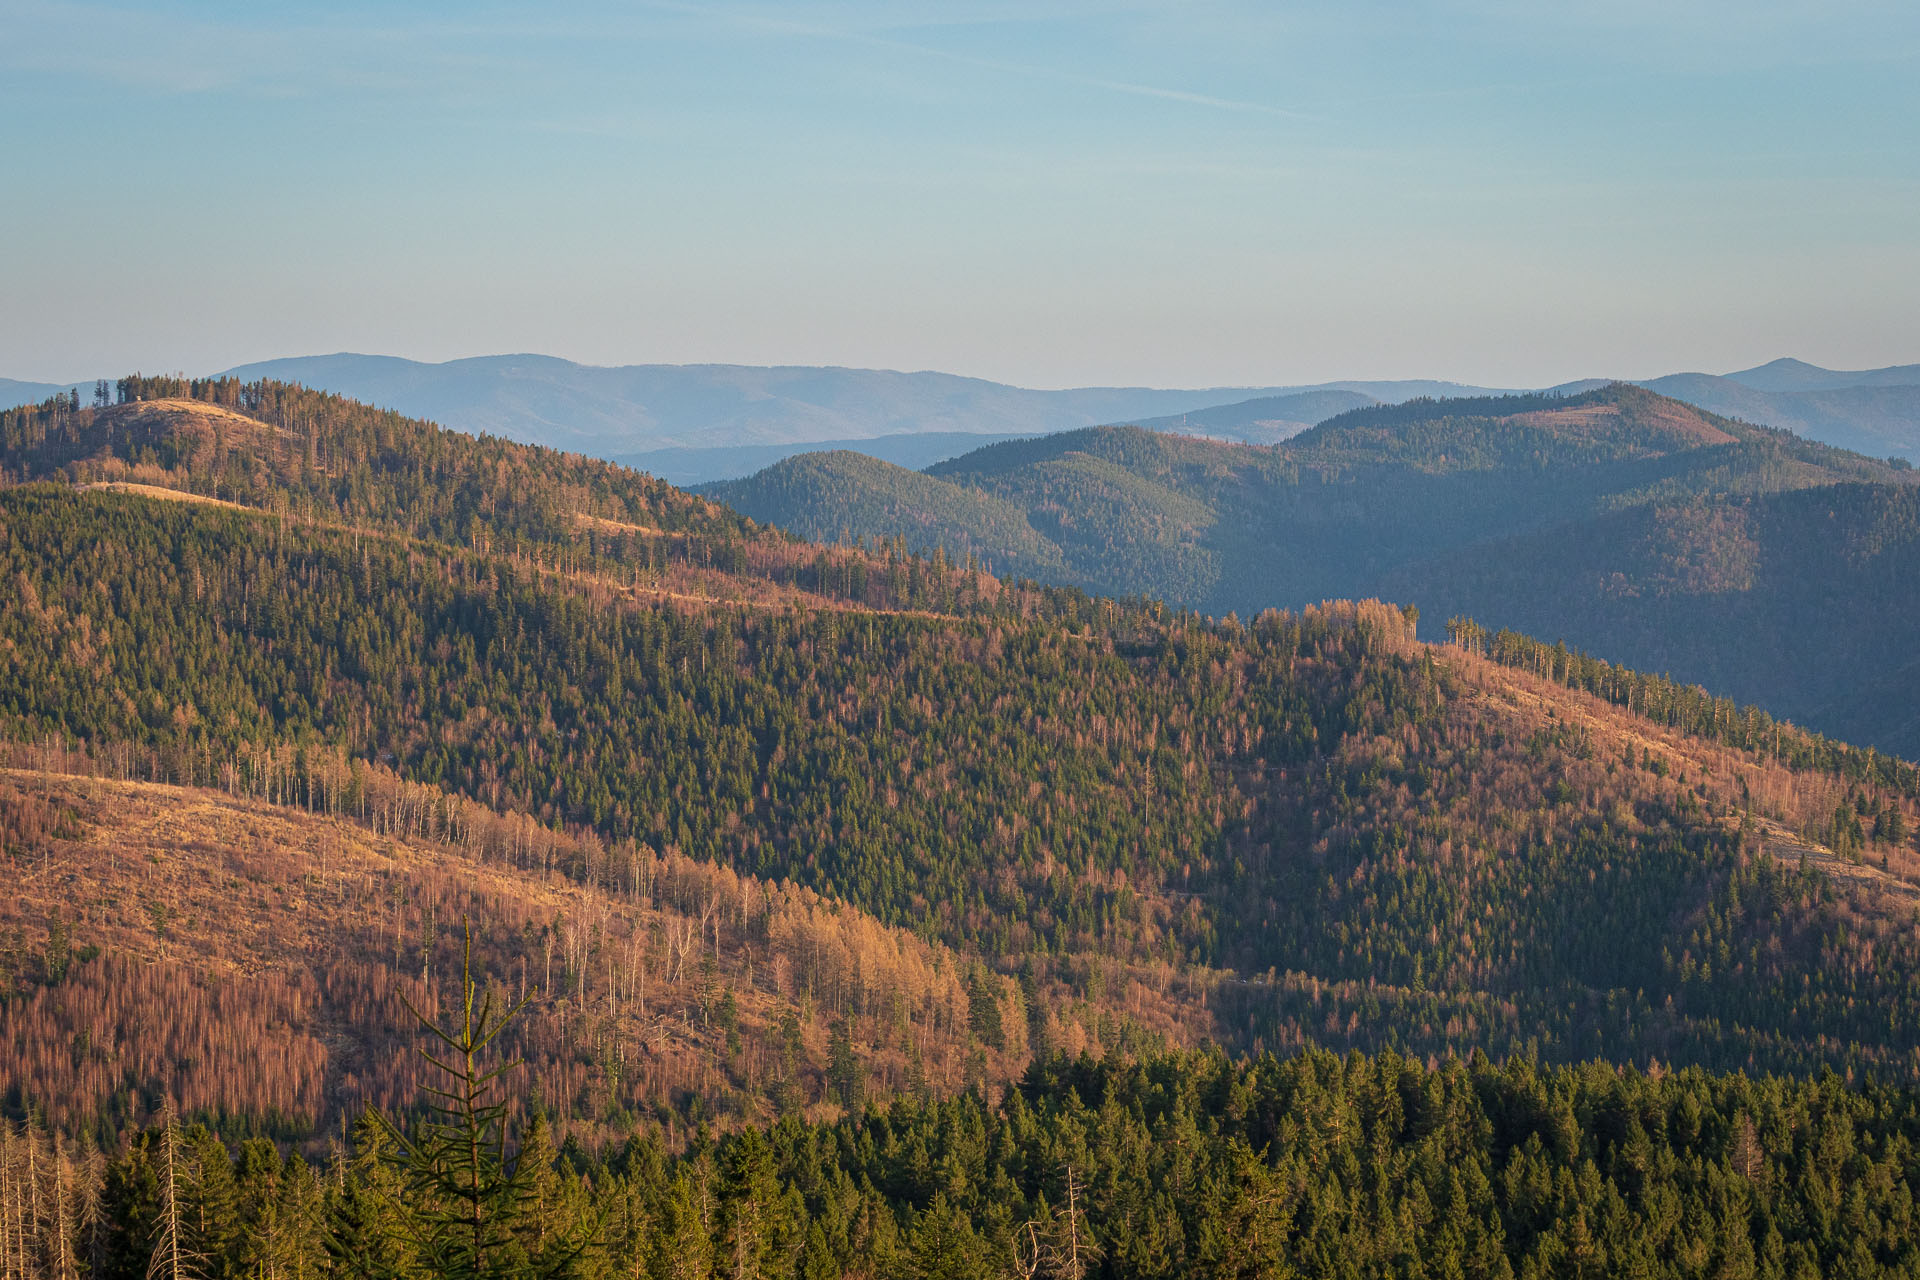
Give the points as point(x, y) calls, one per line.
point(1044, 192)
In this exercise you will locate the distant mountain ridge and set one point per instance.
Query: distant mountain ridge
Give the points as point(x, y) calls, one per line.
point(1876, 418)
point(686, 466)
point(635, 408)
point(1264, 420)
point(1788, 374)
point(618, 412)
point(1628, 523)
point(14, 392)
point(698, 423)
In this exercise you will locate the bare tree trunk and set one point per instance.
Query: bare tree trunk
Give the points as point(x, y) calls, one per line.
point(170, 1260)
point(65, 1266)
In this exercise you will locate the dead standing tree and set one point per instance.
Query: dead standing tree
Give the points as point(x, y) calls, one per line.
point(1061, 1247)
point(171, 1258)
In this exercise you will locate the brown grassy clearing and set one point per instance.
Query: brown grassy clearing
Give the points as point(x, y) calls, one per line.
point(254, 958)
point(162, 494)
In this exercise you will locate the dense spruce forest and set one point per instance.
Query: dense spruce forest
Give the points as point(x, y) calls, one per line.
point(1171, 1167)
point(1626, 523)
point(875, 915)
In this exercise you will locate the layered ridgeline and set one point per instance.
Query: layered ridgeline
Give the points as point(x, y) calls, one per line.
point(1628, 524)
point(296, 727)
point(1876, 411)
point(693, 423)
point(635, 409)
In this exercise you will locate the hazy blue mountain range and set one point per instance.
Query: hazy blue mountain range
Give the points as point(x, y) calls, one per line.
point(1265, 420)
point(1875, 418)
point(1871, 411)
point(13, 392)
point(642, 408)
point(625, 411)
point(1787, 374)
point(695, 423)
point(685, 466)
point(1221, 526)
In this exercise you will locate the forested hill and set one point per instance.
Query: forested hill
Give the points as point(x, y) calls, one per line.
point(321, 458)
point(1422, 501)
point(1130, 826)
point(269, 444)
point(827, 496)
point(1803, 601)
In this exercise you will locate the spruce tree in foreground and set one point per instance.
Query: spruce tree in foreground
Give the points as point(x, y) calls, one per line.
point(468, 1209)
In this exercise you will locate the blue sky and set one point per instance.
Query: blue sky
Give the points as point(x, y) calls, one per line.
point(1046, 193)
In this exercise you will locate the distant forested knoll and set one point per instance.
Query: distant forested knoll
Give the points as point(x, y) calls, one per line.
point(320, 457)
point(1515, 509)
point(262, 444)
point(831, 496)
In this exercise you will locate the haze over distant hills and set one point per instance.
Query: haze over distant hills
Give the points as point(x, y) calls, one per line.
point(697, 423)
point(724, 462)
point(1265, 420)
point(1787, 374)
point(639, 408)
point(1870, 411)
point(14, 392)
point(695, 416)
point(1871, 416)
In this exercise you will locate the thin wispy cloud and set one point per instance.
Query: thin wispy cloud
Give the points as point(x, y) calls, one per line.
point(1000, 66)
